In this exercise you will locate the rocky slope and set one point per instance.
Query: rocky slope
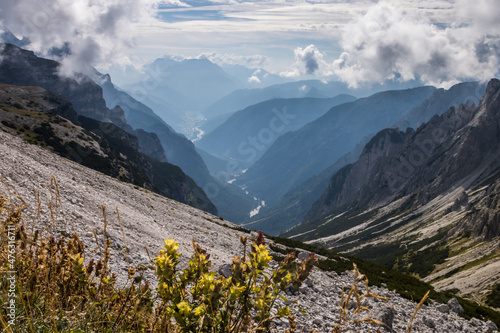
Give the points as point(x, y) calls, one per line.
point(424, 201)
point(149, 218)
point(41, 117)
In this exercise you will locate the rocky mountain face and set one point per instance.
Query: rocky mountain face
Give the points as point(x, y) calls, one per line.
point(419, 199)
point(299, 155)
point(23, 68)
point(42, 118)
point(292, 209)
point(247, 134)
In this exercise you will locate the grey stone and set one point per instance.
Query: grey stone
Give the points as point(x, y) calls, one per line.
point(225, 270)
point(443, 308)
point(318, 322)
point(476, 322)
point(455, 306)
point(428, 322)
point(384, 315)
point(492, 326)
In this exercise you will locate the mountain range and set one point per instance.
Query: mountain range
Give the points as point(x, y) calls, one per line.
point(406, 178)
point(421, 200)
point(295, 204)
point(296, 156)
point(255, 128)
point(22, 67)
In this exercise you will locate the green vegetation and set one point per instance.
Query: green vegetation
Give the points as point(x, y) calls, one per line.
point(493, 298)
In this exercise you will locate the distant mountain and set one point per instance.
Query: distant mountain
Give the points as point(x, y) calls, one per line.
point(8, 37)
point(43, 118)
point(440, 101)
point(21, 67)
point(247, 134)
point(240, 99)
point(202, 81)
point(137, 114)
point(299, 155)
point(253, 77)
point(417, 198)
point(175, 88)
point(297, 202)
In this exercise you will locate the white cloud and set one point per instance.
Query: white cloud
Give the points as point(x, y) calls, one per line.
point(251, 61)
point(388, 43)
point(255, 76)
point(481, 14)
point(308, 61)
point(96, 32)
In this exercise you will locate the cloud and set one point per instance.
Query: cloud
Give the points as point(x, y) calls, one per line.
point(95, 32)
point(388, 43)
point(481, 14)
point(255, 76)
point(251, 61)
point(307, 62)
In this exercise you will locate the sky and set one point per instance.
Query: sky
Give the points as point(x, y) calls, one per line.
point(439, 42)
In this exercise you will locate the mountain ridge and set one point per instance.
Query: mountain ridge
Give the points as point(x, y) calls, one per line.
point(296, 156)
point(434, 189)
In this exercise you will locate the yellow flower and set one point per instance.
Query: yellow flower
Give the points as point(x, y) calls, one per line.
point(199, 310)
point(184, 308)
point(235, 292)
point(207, 281)
point(171, 247)
point(262, 256)
point(260, 304)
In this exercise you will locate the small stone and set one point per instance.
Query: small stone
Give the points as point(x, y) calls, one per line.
point(443, 308)
point(317, 322)
point(428, 322)
point(303, 289)
point(225, 270)
point(386, 316)
point(491, 325)
point(455, 306)
point(476, 322)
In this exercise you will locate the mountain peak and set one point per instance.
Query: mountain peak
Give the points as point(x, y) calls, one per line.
point(493, 86)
